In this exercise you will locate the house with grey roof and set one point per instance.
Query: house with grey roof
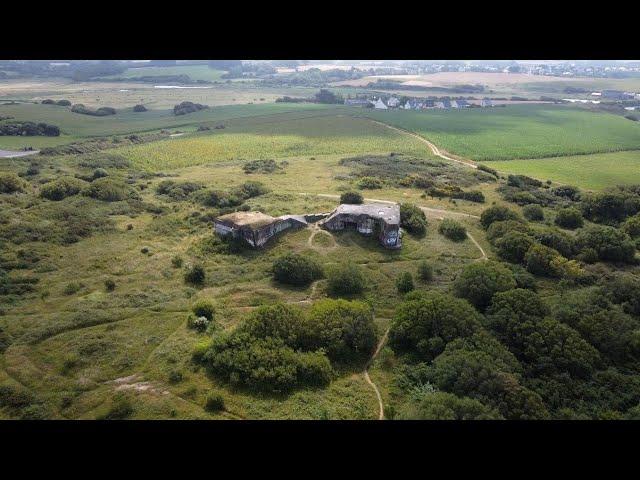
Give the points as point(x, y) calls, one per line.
point(379, 219)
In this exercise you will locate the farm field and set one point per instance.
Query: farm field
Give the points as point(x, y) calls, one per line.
point(518, 131)
point(126, 121)
point(594, 172)
point(126, 94)
point(195, 72)
point(278, 137)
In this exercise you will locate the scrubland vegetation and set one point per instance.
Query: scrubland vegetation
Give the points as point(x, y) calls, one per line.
point(117, 301)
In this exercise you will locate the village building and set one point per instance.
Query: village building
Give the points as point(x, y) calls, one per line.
point(256, 228)
point(462, 103)
point(379, 104)
point(486, 102)
point(393, 102)
point(439, 105)
point(380, 219)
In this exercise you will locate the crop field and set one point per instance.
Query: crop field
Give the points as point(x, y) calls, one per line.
point(74, 125)
point(283, 137)
point(594, 172)
point(195, 72)
point(518, 132)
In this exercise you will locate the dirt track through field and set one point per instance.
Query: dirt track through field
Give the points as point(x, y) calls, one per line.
point(435, 150)
point(368, 379)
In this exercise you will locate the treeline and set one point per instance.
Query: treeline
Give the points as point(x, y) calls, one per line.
point(29, 129)
point(323, 96)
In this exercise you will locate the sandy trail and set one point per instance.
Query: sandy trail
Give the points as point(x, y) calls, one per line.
point(368, 379)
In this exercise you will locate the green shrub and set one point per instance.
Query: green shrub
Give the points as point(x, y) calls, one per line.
point(570, 218)
point(496, 214)
point(10, 183)
point(354, 198)
point(120, 409)
point(541, 260)
point(295, 269)
point(425, 271)
point(176, 261)
point(109, 285)
point(177, 190)
point(203, 308)
point(404, 282)
point(413, 219)
point(479, 282)
point(108, 190)
point(195, 275)
point(71, 288)
point(139, 108)
point(631, 226)
point(610, 243)
point(370, 183)
point(533, 213)
point(446, 406)
point(426, 321)
point(500, 228)
point(214, 403)
point(452, 230)
point(513, 246)
point(345, 279)
point(62, 188)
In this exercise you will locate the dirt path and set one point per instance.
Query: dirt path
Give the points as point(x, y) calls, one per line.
point(435, 150)
point(484, 255)
point(12, 154)
point(368, 378)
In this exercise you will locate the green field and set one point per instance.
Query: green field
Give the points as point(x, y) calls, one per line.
point(126, 121)
point(279, 136)
point(595, 172)
point(195, 72)
point(515, 132)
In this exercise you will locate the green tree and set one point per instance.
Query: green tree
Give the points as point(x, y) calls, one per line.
point(413, 219)
point(533, 212)
point(295, 269)
point(404, 282)
point(345, 279)
point(513, 246)
point(354, 198)
point(497, 213)
point(446, 406)
point(452, 230)
point(570, 218)
point(479, 282)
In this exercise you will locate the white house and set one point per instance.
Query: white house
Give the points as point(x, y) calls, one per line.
point(407, 106)
point(439, 105)
point(379, 104)
point(393, 102)
point(486, 102)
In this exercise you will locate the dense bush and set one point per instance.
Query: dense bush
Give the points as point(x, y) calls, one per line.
point(139, 108)
point(295, 269)
point(500, 228)
point(354, 198)
point(446, 406)
point(188, 107)
point(542, 260)
point(570, 218)
point(345, 279)
point(261, 166)
point(29, 129)
point(479, 282)
point(11, 183)
point(425, 271)
point(426, 321)
point(203, 308)
point(609, 243)
point(496, 214)
point(631, 226)
point(612, 206)
point(63, 103)
point(556, 239)
point(108, 190)
point(195, 274)
point(177, 190)
point(513, 246)
point(404, 282)
point(100, 112)
point(62, 188)
point(533, 213)
point(413, 219)
point(452, 230)
point(370, 183)
point(214, 403)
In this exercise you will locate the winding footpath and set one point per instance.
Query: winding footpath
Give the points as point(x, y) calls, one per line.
point(435, 150)
point(368, 378)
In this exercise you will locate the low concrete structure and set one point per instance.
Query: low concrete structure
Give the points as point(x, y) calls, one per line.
point(380, 219)
point(256, 228)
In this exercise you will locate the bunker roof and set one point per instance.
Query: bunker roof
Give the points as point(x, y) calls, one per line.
point(390, 213)
point(247, 219)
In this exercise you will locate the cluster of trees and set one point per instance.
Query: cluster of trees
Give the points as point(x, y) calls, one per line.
point(62, 103)
point(29, 129)
point(519, 355)
point(232, 198)
point(188, 107)
point(280, 347)
point(177, 190)
point(99, 112)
